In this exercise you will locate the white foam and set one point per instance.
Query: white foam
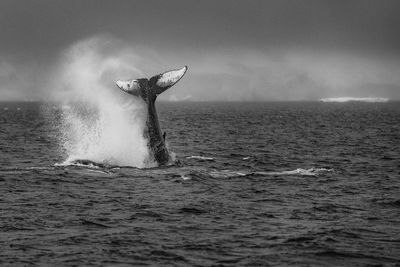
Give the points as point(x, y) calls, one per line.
point(358, 99)
point(201, 158)
point(72, 163)
point(185, 178)
point(299, 171)
point(226, 174)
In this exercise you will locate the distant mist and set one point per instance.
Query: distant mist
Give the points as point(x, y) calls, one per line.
point(220, 75)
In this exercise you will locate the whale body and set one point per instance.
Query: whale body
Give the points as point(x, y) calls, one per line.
point(148, 90)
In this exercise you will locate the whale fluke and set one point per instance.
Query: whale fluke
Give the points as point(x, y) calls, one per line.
point(167, 79)
point(148, 90)
point(154, 86)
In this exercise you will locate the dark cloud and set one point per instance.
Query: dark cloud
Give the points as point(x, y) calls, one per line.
point(48, 24)
point(276, 49)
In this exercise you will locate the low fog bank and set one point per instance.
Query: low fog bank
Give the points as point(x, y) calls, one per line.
point(218, 75)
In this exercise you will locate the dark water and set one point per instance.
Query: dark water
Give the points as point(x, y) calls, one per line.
point(279, 184)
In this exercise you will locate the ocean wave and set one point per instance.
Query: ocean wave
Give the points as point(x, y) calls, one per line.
point(299, 171)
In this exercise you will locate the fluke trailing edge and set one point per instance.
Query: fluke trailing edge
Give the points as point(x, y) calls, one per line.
point(148, 90)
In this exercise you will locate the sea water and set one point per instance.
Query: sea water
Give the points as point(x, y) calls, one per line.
point(254, 184)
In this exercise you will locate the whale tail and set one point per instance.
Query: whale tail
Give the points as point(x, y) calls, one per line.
point(151, 88)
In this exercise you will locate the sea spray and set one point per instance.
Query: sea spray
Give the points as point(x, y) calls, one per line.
point(98, 122)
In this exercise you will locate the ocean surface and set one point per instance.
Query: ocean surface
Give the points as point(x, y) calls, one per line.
point(254, 184)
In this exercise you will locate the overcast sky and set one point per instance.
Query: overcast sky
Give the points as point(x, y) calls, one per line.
point(235, 50)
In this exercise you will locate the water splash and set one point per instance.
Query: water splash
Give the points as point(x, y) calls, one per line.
point(98, 122)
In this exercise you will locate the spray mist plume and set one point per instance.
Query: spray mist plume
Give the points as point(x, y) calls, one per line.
point(98, 122)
